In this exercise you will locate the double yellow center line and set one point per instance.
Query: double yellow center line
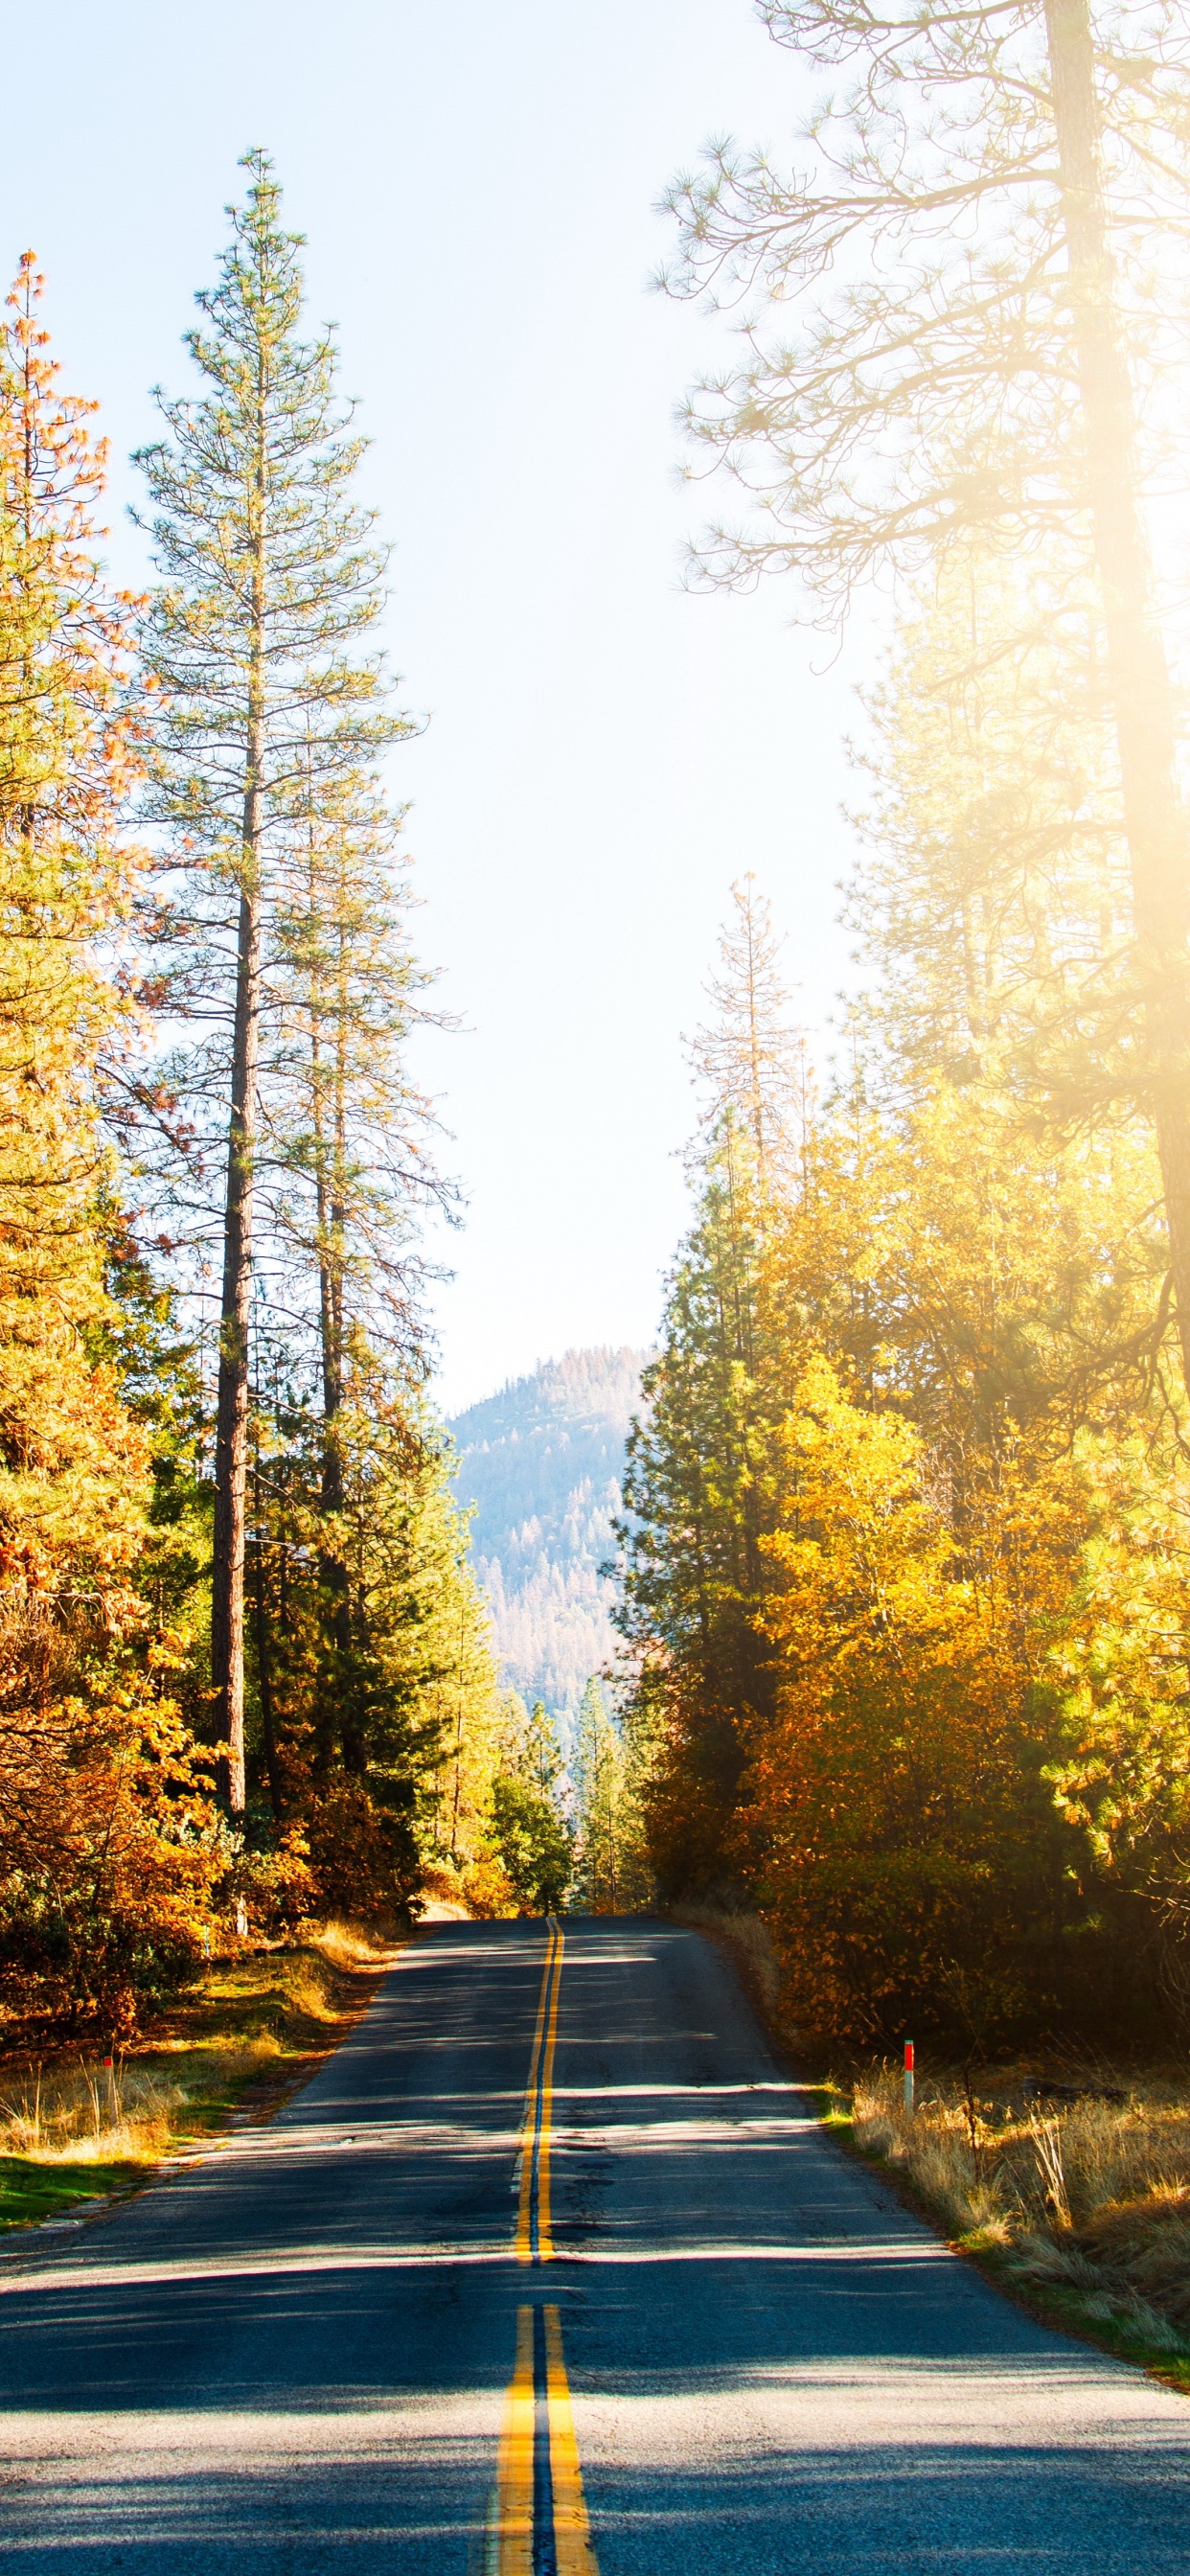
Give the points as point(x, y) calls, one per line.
point(538, 2523)
point(534, 2243)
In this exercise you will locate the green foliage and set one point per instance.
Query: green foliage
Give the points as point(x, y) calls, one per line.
point(696, 1509)
point(533, 1844)
point(530, 1834)
point(612, 1873)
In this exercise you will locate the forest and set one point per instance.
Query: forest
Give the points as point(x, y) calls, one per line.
point(907, 1540)
point(246, 1674)
point(904, 1561)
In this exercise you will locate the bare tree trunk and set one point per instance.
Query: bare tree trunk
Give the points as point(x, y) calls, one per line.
point(231, 1417)
point(1138, 671)
point(231, 1421)
point(264, 1671)
point(335, 1710)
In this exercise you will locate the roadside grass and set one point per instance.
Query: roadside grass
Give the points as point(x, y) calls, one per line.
point(1080, 2209)
point(73, 2128)
point(1077, 2209)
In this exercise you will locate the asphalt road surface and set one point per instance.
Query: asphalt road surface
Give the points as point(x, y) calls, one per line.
point(549, 2270)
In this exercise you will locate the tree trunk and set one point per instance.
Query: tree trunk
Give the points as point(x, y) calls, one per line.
point(264, 1672)
point(1138, 672)
point(231, 1421)
point(231, 1418)
point(337, 1712)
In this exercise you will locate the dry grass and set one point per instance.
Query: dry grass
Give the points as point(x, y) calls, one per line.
point(1088, 2200)
point(101, 2115)
point(234, 2045)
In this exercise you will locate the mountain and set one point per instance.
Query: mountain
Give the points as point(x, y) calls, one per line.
point(542, 1462)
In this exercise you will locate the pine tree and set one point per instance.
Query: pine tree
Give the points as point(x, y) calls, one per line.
point(694, 1491)
point(1000, 173)
point(349, 1136)
point(531, 1835)
point(751, 1057)
point(992, 895)
point(604, 1837)
point(254, 637)
point(383, 1762)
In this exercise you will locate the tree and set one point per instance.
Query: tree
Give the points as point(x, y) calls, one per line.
point(267, 700)
point(750, 1057)
point(894, 1801)
point(70, 727)
point(106, 1859)
point(532, 1839)
point(349, 1166)
point(612, 1870)
point(377, 1736)
point(695, 1490)
point(992, 895)
point(694, 1495)
point(968, 240)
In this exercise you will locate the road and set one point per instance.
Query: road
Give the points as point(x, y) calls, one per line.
point(548, 2270)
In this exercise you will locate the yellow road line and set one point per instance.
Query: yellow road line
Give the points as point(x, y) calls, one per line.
point(545, 2242)
point(533, 2239)
point(572, 2531)
point(524, 2244)
point(510, 2528)
point(520, 2493)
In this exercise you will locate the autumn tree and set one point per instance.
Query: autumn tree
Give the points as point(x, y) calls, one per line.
point(954, 323)
point(105, 1866)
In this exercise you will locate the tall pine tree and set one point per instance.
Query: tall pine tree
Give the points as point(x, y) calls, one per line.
point(271, 582)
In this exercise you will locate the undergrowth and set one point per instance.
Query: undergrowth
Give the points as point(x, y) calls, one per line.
point(1080, 2206)
point(74, 2127)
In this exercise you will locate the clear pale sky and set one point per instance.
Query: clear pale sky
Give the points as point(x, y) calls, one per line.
point(605, 751)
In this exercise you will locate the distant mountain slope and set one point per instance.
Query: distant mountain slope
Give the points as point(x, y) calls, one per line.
point(543, 1462)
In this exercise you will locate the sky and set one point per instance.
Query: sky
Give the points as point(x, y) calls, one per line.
point(604, 750)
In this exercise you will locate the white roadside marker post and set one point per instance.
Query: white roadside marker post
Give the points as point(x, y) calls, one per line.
point(909, 2079)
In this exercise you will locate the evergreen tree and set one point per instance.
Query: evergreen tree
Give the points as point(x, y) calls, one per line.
point(605, 1871)
point(530, 1833)
point(992, 896)
point(270, 582)
point(694, 1492)
point(750, 1056)
point(348, 1133)
point(1000, 173)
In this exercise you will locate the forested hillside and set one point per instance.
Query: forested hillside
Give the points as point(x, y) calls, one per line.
point(542, 1462)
